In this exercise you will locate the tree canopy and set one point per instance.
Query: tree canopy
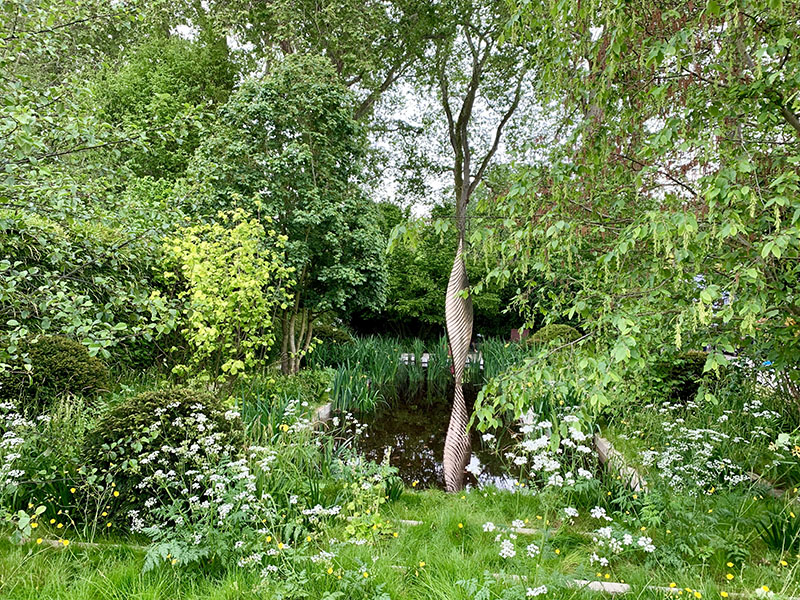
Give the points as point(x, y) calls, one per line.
point(290, 148)
point(670, 214)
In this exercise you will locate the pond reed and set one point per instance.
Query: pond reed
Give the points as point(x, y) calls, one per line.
point(377, 370)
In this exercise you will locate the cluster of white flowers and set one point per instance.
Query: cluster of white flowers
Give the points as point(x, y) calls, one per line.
point(323, 556)
point(609, 542)
point(537, 591)
point(319, 510)
point(598, 512)
point(474, 466)
point(507, 549)
point(692, 460)
point(547, 457)
point(14, 427)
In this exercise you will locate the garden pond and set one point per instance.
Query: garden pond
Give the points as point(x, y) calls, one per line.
point(414, 433)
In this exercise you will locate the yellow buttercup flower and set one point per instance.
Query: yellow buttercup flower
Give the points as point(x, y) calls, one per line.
point(698, 595)
point(724, 594)
point(421, 563)
point(558, 551)
point(461, 526)
point(366, 574)
point(38, 540)
point(730, 564)
point(116, 494)
point(673, 584)
point(765, 588)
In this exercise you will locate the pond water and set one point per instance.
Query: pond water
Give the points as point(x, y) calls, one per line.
point(415, 432)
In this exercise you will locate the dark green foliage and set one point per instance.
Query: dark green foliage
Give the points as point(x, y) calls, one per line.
point(182, 419)
point(58, 365)
point(87, 271)
point(394, 488)
point(331, 333)
point(780, 532)
point(419, 266)
point(289, 146)
point(555, 333)
point(679, 376)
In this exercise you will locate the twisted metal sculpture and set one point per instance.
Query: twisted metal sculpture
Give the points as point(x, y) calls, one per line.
point(458, 321)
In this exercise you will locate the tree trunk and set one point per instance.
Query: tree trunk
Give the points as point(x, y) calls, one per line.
point(285, 343)
point(297, 338)
point(458, 320)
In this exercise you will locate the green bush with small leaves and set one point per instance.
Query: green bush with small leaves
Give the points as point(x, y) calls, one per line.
point(56, 365)
point(159, 432)
point(555, 333)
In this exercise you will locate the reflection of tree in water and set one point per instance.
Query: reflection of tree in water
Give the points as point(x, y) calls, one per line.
point(416, 434)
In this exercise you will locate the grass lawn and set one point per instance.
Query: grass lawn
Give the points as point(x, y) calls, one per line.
point(449, 555)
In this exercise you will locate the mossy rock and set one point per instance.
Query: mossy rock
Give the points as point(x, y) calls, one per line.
point(554, 333)
point(58, 366)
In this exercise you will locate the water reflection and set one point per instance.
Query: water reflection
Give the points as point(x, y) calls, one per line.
point(415, 433)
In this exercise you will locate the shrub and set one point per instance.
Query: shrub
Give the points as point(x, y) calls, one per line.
point(58, 365)
point(331, 333)
point(679, 376)
point(173, 432)
point(233, 277)
point(555, 333)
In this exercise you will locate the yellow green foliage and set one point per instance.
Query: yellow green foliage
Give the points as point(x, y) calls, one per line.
point(233, 277)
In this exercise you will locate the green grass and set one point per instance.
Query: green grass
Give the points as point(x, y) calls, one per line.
point(450, 553)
